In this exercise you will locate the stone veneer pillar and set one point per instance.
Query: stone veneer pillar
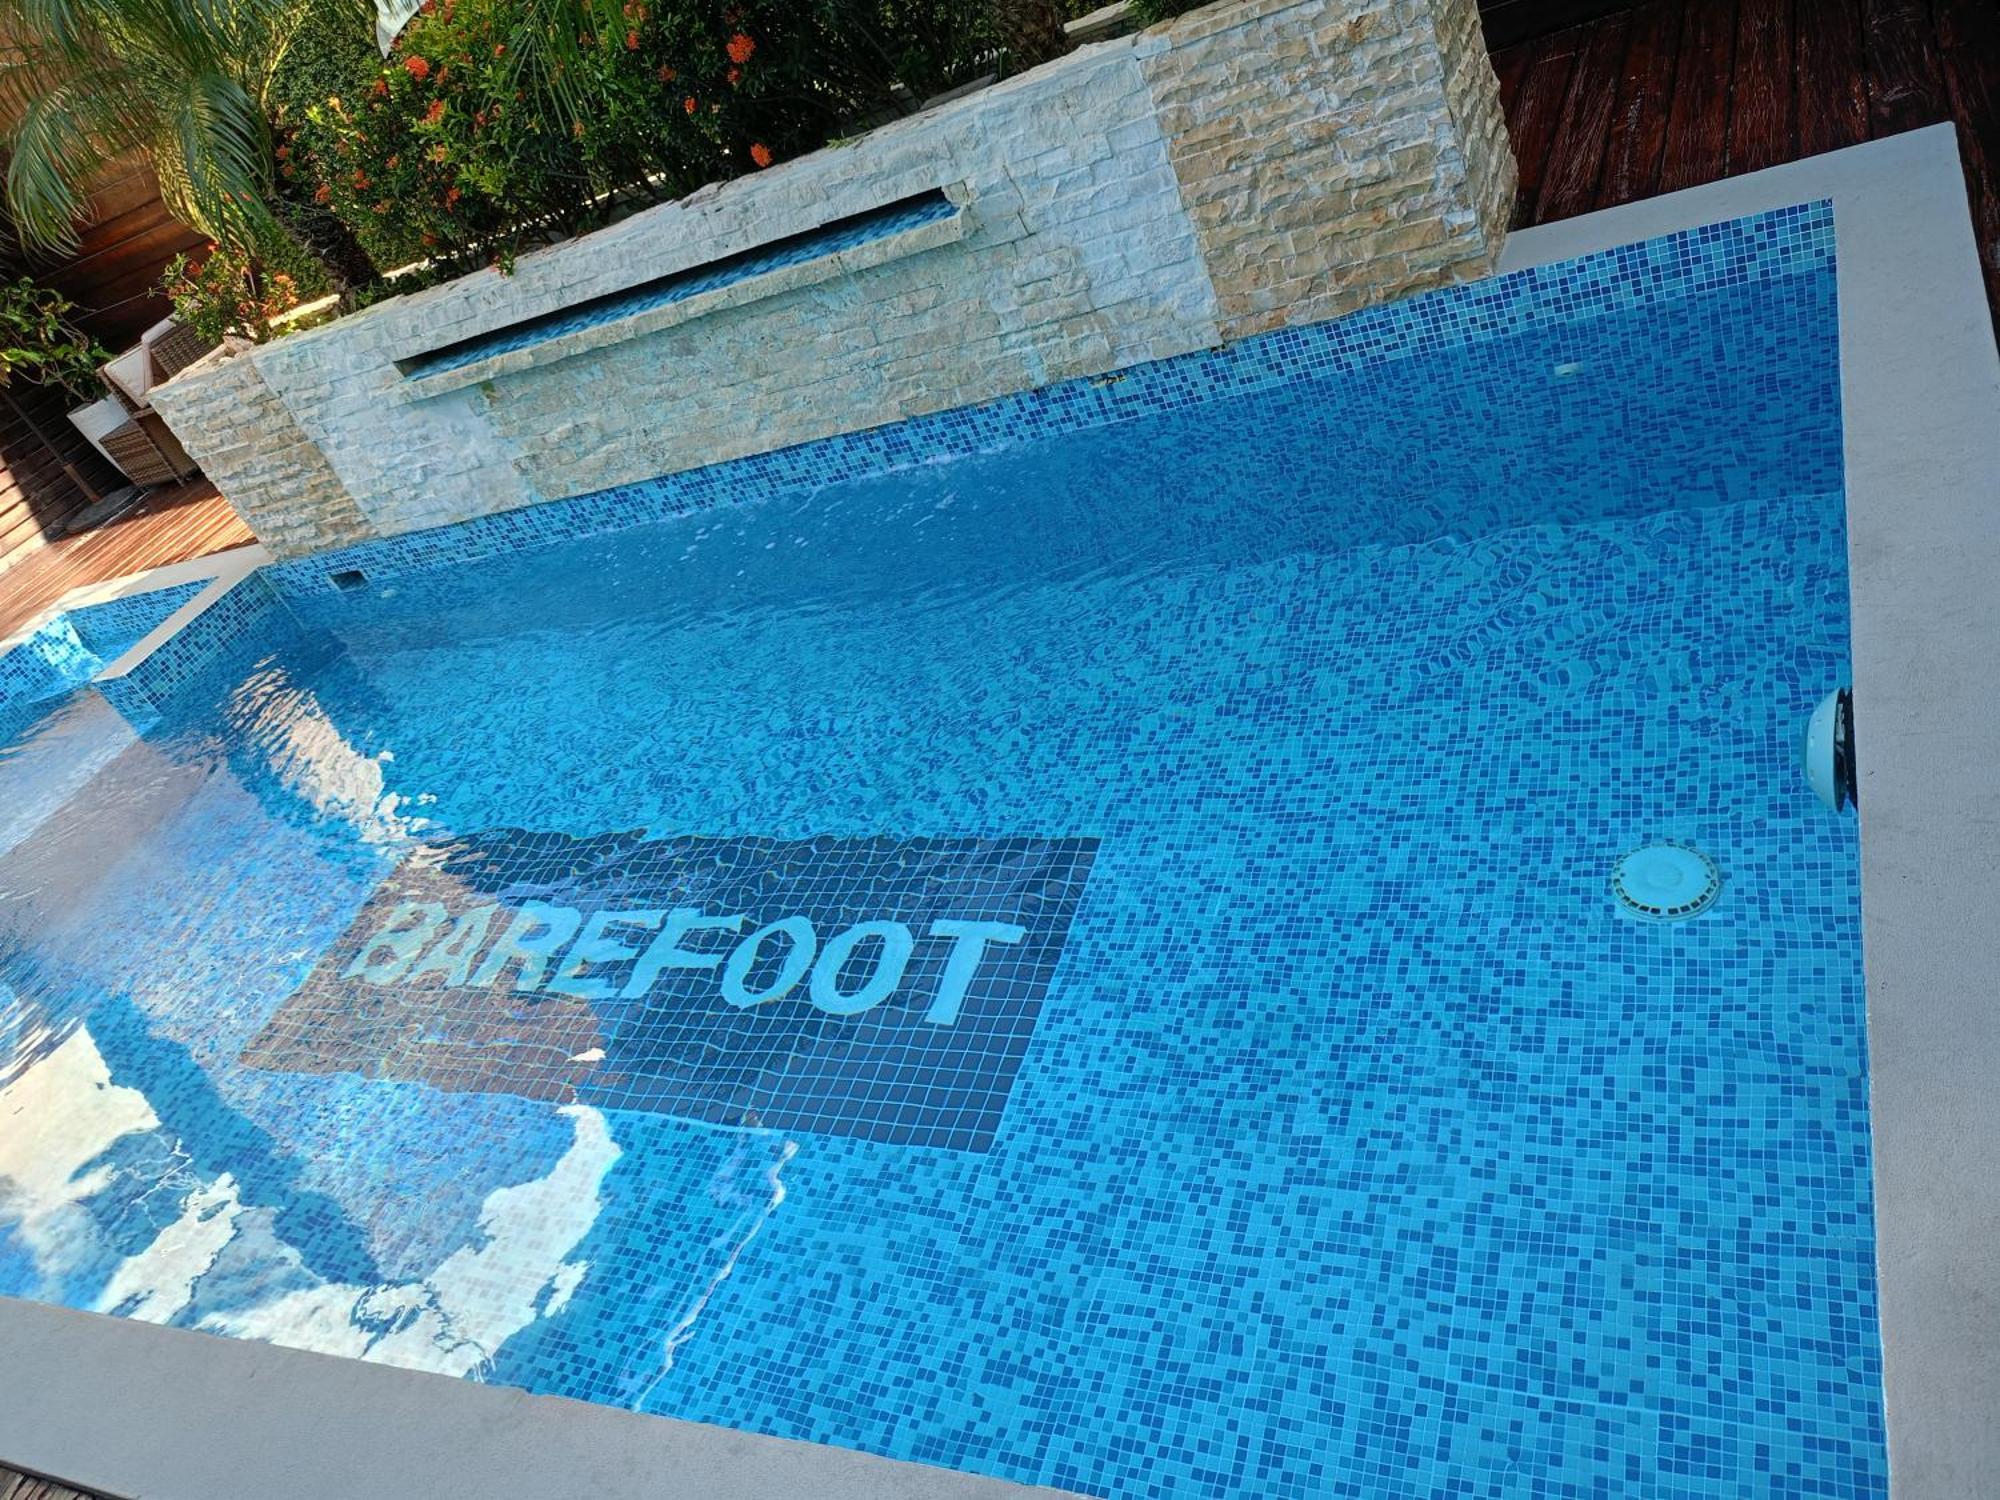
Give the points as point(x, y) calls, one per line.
point(1247, 166)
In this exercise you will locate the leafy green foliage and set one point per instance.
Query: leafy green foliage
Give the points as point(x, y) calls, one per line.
point(228, 294)
point(498, 123)
point(332, 56)
point(1149, 11)
point(38, 342)
point(86, 81)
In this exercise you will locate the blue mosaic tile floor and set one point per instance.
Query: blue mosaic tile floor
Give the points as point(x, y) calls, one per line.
point(1358, 1145)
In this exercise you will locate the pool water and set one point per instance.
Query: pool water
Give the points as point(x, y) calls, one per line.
point(1324, 1129)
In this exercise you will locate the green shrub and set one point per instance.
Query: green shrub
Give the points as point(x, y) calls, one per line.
point(497, 123)
point(1149, 11)
point(39, 342)
point(332, 56)
point(228, 294)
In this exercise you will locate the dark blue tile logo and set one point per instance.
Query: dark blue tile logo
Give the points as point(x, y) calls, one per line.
point(884, 988)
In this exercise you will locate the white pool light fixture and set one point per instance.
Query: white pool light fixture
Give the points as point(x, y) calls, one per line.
point(1666, 882)
point(1828, 751)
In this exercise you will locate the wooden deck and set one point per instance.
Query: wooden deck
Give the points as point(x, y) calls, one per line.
point(48, 474)
point(169, 526)
point(1670, 94)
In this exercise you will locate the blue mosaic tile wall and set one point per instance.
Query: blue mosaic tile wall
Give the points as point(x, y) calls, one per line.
point(1362, 1147)
point(221, 637)
point(819, 244)
point(1558, 301)
point(73, 646)
point(114, 626)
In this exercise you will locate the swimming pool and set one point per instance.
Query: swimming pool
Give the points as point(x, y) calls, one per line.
point(1284, 1107)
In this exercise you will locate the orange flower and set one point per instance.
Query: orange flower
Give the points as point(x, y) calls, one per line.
point(761, 154)
point(322, 193)
point(435, 112)
point(440, 153)
point(381, 89)
point(499, 49)
point(735, 77)
point(667, 74)
point(689, 104)
point(284, 153)
point(451, 197)
point(631, 41)
point(416, 67)
point(393, 162)
point(741, 48)
point(360, 181)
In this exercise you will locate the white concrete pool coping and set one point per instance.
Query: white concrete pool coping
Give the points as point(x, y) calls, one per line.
point(134, 1409)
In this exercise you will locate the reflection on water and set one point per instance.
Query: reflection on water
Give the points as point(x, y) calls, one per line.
point(89, 1181)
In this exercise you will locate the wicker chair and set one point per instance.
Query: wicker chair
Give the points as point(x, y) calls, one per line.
point(175, 348)
point(142, 447)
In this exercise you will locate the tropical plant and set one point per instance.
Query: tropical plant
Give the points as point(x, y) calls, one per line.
point(39, 342)
point(497, 123)
point(185, 83)
point(226, 294)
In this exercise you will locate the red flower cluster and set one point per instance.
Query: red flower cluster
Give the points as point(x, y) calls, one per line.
point(741, 48)
point(416, 67)
point(761, 154)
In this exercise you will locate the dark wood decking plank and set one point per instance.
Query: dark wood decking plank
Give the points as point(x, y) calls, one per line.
point(1832, 87)
point(1906, 87)
point(1763, 122)
point(1638, 128)
point(1969, 51)
point(172, 526)
point(1509, 65)
point(1697, 149)
point(1576, 159)
point(1508, 23)
point(1538, 113)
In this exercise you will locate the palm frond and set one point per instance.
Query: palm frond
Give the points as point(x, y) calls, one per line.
point(63, 138)
point(184, 80)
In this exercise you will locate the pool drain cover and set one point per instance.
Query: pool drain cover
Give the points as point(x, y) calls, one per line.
point(1666, 882)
